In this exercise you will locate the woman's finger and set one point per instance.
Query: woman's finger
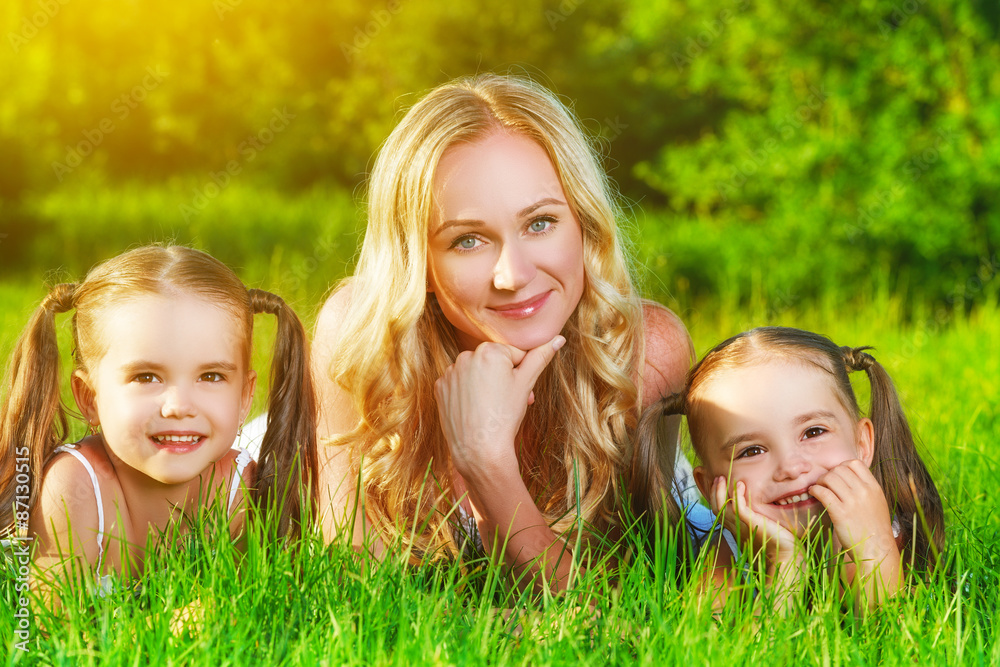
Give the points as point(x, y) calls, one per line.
point(536, 360)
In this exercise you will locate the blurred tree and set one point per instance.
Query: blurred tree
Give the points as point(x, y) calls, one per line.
point(811, 141)
point(844, 137)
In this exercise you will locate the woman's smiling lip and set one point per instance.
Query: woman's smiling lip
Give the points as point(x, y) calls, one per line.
point(523, 309)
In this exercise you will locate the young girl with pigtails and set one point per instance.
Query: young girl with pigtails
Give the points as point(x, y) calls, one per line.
point(162, 375)
point(788, 460)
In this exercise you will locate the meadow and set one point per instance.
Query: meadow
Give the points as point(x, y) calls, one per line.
point(209, 603)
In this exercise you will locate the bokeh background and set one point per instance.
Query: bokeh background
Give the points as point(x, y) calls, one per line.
point(784, 152)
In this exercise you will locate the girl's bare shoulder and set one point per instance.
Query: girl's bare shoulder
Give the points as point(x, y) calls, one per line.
point(68, 498)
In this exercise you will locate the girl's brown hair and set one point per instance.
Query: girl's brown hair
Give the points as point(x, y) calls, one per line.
point(896, 465)
point(33, 421)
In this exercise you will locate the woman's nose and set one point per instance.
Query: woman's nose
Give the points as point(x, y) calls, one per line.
point(514, 268)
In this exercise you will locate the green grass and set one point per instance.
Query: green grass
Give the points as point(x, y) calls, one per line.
point(326, 605)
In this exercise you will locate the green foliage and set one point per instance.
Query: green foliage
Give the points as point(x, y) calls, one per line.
point(301, 245)
point(837, 138)
point(795, 146)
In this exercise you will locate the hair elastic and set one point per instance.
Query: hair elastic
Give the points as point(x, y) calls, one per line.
point(857, 359)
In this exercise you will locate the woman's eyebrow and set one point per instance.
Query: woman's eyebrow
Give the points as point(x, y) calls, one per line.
point(523, 213)
point(528, 210)
point(445, 226)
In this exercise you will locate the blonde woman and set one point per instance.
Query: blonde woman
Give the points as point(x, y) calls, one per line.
point(481, 375)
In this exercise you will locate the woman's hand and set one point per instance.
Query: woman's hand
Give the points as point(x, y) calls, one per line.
point(862, 528)
point(482, 399)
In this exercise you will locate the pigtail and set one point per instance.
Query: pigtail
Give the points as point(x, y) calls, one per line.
point(32, 420)
point(286, 472)
point(913, 497)
point(652, 469)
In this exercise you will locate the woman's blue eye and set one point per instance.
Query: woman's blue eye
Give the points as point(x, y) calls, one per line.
point(540, 225)
point(465, 243)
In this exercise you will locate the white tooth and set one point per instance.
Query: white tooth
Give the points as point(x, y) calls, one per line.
point(176, 438)
point(793, 499)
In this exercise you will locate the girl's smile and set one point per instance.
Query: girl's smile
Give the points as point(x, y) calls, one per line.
point(178, 443)
point(795, 500)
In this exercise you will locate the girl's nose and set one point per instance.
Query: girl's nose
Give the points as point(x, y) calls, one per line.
point(177, 403)
point(514, 268)
point(791, 466)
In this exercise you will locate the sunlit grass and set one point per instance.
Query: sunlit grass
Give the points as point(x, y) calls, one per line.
point(208, 603)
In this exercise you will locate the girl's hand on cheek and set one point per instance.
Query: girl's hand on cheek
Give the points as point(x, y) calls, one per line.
point(724, 507)
point(862, 530)
point(858, 510)
point(782, 551)
point(482, 399)
point(777, 542)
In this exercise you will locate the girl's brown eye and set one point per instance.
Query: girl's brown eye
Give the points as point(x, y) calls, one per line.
point(815, 431)
point(749, 452)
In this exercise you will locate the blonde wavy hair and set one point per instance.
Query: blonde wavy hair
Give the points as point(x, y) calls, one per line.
point(395, 342)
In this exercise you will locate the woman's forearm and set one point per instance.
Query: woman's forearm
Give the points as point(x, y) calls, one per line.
point(512, 527)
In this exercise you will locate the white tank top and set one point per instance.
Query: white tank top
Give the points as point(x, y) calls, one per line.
point(104, 582)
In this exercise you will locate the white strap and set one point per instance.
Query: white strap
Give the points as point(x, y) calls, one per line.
point(100, 502)
point(242, 460)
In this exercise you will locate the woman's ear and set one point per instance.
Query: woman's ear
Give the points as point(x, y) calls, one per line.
point(86, 397)
point(866, 441)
